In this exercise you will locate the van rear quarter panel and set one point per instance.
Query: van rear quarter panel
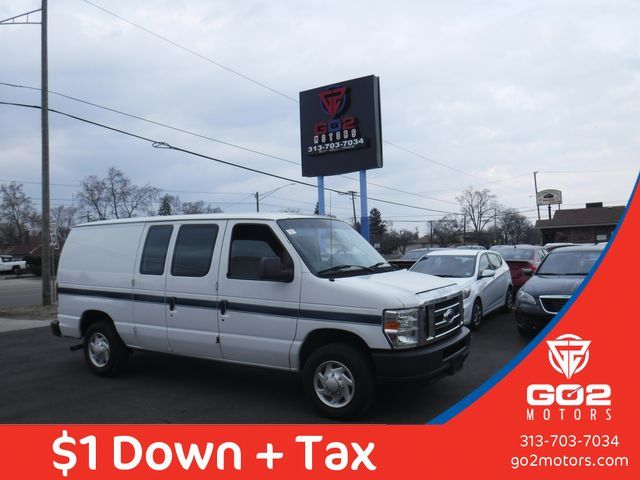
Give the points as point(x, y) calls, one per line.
point(98, 258)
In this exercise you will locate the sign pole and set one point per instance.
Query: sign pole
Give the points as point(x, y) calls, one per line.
point(364, 211)
point(321, 195)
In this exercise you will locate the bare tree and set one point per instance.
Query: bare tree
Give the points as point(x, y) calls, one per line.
point(477, 206)
point(446, 231)
point(513, 226)
point(64, 217)
point(116, 196)
point(404, 237)
point(194, 208)
point(93, 195)
point(125, 198)
point(18, 217)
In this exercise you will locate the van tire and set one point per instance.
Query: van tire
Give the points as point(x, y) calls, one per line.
point(104, 350)
point(345, 365)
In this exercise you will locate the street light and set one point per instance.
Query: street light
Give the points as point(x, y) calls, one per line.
point(264, 195)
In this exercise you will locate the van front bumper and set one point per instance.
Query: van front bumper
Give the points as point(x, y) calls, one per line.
point(443, 357)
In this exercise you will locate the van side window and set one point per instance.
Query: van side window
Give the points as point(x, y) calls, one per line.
point(154, 252)
point(193, 251)
point(249, 244)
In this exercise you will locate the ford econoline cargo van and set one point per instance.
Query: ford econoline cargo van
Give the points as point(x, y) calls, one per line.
point(301, 293)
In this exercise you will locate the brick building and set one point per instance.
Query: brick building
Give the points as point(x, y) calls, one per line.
point(591, 224)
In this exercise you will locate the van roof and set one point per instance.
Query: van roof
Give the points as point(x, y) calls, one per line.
point(204, 216)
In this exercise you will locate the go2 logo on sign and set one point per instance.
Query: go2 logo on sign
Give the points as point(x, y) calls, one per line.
point(569, 355)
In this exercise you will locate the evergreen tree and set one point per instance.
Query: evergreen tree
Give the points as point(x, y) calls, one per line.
point(165, 205)
point(377, 226)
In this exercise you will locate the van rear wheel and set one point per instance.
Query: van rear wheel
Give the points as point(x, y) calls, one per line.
point(339, 380)
point(104, 351)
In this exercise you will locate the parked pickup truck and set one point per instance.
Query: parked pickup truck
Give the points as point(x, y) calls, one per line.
point(8, 264)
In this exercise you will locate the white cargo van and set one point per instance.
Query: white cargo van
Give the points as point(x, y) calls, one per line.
point(301, 293)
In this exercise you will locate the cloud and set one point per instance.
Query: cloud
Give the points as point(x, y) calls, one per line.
point(493, 89)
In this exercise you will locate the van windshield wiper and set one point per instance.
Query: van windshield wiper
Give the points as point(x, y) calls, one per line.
point(382, 265)
point(337, 268)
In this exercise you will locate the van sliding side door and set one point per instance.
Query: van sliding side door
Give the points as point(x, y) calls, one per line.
point(192, 273)
point(149, 313)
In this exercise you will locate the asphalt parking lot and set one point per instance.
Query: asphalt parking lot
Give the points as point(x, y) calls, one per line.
point(42, 381)
point(21, 291)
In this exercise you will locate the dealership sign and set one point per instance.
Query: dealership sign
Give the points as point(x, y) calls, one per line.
point(549, 197)
point(340, 128)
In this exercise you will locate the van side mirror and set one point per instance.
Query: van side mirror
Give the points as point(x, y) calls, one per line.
point(487, 273)
point(271, 268)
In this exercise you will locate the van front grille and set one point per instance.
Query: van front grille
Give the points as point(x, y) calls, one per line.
point(443, 316)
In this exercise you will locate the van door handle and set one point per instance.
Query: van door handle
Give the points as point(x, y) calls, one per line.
point(172, 303)
point(222, 306)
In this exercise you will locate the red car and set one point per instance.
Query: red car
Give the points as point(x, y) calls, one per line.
point(523, 261)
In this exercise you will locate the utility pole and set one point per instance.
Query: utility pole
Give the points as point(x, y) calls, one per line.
point(47, 266)
point(353, 204)
point(352, 194)
point(535, 185)
point(266, 194)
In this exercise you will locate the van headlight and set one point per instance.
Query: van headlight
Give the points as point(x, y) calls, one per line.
point(402, 327)
point(524, 297)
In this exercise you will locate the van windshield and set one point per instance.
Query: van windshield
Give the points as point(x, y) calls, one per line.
point(332, 248)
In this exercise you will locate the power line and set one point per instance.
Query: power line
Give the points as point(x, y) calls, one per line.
point(164, 145)
point(153, 122)
point(205, 137)
point(457, 170)
point(573, 172)
point(76, 185)
point(192, 52)
point(271, 89)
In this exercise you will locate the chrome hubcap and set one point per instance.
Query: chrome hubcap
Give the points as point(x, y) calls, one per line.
point(333, 383)
point(99, 351)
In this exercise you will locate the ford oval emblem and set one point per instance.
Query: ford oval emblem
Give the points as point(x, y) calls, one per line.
point(448, 315)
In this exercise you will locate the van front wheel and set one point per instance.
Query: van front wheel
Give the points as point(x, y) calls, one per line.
point(339, 380)
point(104, 351)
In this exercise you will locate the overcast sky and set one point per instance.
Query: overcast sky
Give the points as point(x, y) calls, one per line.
point(494, 90)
